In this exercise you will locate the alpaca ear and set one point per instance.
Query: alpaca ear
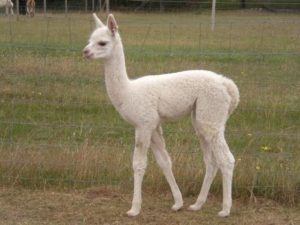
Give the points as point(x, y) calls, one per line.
point(112, 24)
point(97, 21)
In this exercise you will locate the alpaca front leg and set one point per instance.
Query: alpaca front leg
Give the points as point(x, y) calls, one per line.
point(142, 143)
point(164, 161)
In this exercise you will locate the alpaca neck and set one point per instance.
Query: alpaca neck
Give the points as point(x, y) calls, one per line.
point(116, 79)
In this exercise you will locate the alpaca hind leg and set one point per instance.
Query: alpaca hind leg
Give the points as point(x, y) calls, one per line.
point(209, 119)
point(225, 162)
point(210, 173)
point(218, 156)
point(210, 169)
point(163, 160)
point(142, 143)
point(210, 166)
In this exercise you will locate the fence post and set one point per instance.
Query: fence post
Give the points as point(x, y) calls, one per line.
point(100, 5)
point(93, 5)
point(213, 15)
point(45, 7)
point(66, 7)
point(107, 7)
point(86, 5)
point(18, 8)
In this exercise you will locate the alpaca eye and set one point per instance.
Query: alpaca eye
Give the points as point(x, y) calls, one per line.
point(102, 43)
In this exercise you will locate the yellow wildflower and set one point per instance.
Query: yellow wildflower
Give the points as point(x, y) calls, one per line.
point(258, 168)
point(266, 148)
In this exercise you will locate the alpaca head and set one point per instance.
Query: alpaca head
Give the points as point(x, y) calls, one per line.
point(103, 39)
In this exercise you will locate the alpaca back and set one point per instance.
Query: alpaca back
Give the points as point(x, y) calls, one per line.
point(174, 95)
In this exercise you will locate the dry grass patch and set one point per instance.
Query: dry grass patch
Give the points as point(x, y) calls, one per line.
point(105, 205)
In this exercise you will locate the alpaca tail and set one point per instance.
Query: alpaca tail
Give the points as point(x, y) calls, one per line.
point(233, 91)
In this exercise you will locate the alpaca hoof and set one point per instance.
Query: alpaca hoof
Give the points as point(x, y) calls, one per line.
point(176, 207)
point(194, 207)
point(224, 213)
point(132, 213)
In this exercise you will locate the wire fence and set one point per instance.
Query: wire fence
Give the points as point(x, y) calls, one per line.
point(69, 6)
point(51, 98)
point(13, 44)
point(163, 5)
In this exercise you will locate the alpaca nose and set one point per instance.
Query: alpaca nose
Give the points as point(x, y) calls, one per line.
point(86, 51)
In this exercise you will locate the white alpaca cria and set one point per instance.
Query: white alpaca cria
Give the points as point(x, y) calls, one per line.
point(9, 5)
point(148, 101)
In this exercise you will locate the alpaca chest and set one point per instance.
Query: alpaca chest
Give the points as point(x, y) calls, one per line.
point(138, 112)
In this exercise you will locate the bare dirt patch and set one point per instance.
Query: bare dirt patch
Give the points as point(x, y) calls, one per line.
point(108, 206)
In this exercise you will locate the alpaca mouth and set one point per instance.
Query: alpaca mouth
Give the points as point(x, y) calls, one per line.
point(89, 55)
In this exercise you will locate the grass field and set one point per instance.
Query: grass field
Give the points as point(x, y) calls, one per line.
point(58, 129)
point(106, 206)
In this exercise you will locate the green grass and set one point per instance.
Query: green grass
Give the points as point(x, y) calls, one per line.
point(57, 126)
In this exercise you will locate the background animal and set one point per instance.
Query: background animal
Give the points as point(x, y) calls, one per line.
point(8, 5)
point(30, 7)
